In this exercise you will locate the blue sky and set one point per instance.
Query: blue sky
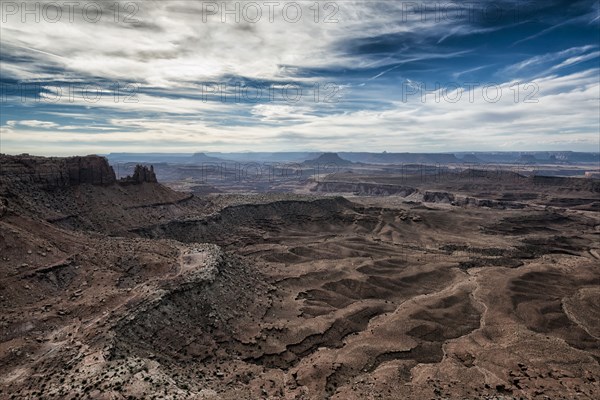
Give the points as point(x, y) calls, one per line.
point(425, 76)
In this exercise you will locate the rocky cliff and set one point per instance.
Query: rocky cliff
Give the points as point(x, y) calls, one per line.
point(58, 172)
point(54, 172)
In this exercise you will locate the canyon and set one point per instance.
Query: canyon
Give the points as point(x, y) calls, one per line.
point(355, 285)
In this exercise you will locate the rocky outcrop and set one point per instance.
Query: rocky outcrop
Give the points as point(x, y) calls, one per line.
point(93, 170)
point(55, 172)
point(141, 174)
point(466, 201)
point(328, 159)
point(438, 197)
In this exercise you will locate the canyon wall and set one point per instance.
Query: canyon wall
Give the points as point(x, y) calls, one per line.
point(57, 172)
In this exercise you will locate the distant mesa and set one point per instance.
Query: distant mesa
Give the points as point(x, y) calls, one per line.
point(203, 158)
point(355, 157)
point(328, 158)
point(471, 158)
point(402, 158)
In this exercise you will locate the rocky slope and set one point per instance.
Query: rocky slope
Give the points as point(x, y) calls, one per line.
point(83, 193)
point(134, 291)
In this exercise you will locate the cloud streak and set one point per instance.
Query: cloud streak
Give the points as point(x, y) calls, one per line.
point(350, 75)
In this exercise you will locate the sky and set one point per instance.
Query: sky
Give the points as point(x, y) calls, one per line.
point(95, 77)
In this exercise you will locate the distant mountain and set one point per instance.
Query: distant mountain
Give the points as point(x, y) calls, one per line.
point(572, 156)
point(264, 157)
point(359, 157)
point(535, 157)
point(328, 158)
point(154, 158)
point(198, 158)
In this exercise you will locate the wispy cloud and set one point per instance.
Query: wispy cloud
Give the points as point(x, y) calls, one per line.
point(575, 60)
point(543, 61)
point(175, 49)
point(32, 124)
point(566, 102)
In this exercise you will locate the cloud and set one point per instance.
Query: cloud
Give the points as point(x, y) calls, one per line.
point(545, 62)
point(33, 124)
point(575, 60)
point(176, 41)
point(175, 48)
point(566, 102)
point(177, 45)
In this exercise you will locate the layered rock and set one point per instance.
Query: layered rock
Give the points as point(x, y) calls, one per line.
point(55, 172)
point(93, 170)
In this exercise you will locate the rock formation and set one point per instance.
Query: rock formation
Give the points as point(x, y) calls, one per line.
point(59, 172)
point(141, 174)
point(328, 159)
point(55, 172)
point(92, 170)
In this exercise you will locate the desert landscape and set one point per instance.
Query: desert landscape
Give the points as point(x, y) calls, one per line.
point(299, 200)
point(371, 282)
